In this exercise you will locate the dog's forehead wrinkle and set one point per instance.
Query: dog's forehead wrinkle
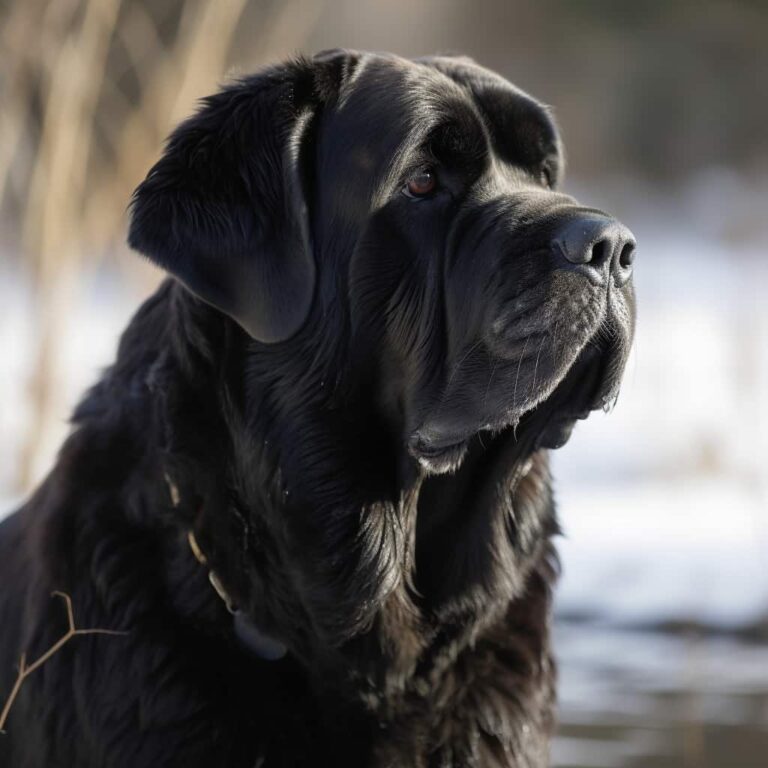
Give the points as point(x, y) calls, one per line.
point(398, 164)
point(405, 98)
point(515, 177)
point(487, 87)
point(352, 73)
point(508, 191)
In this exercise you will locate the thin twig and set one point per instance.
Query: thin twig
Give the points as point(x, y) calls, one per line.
point(25, 671)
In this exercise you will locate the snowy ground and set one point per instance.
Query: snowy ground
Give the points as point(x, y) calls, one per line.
point(664, 502)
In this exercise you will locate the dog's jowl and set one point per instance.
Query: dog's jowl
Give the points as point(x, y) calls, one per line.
point(312, 492)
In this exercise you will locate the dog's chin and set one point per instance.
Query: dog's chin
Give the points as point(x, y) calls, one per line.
point(590, 383)
point(556, 434)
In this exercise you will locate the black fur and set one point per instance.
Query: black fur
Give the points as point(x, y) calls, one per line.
point(348, 395)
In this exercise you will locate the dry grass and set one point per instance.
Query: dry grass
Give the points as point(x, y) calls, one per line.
point(25, 670)
point(89, 89)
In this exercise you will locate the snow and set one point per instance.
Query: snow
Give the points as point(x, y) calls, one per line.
point(664, 501)
point(100, 308)
point(654, 552)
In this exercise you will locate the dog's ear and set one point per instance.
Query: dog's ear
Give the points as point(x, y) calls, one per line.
point(225, 208)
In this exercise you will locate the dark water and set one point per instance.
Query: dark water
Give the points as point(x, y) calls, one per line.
point(651, 700)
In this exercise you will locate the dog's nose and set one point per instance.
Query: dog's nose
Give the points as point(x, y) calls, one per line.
point(597, 240)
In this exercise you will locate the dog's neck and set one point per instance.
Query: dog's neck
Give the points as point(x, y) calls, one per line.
point(242, 482)
point(380, 595)
point(422, 619)
point(250, 636)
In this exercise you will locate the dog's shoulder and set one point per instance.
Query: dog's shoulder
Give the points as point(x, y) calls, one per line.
point(94, 533)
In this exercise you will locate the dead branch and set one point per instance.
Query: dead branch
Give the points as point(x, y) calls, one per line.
point(25, 671)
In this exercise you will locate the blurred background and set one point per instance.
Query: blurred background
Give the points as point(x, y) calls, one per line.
point(662, 614)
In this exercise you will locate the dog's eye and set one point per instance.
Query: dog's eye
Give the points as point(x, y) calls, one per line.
point(421, 184)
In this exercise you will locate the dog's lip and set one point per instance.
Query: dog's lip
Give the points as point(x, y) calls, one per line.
point(431, 449)
point(438, 457)
point(435, 447)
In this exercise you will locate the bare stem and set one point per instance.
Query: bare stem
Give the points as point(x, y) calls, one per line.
point(25, 671)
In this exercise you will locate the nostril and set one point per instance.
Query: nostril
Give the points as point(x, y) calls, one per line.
point(599, 253)
point(627, 255)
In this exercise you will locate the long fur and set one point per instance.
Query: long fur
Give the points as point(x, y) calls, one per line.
point(412, 591)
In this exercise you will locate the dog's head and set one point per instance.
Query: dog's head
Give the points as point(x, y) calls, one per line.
point(416, 202)
point(417, 310)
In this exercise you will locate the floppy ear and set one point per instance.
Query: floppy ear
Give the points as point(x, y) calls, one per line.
point(224, 210)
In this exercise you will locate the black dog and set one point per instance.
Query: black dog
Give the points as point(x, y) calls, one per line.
point(382, 316)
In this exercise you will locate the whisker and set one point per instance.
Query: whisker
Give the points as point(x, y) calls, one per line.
point(536, 366)
point(455, 370)
point(461, 362)
point(517, 375)
point(555, 354)
point(490, 379)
